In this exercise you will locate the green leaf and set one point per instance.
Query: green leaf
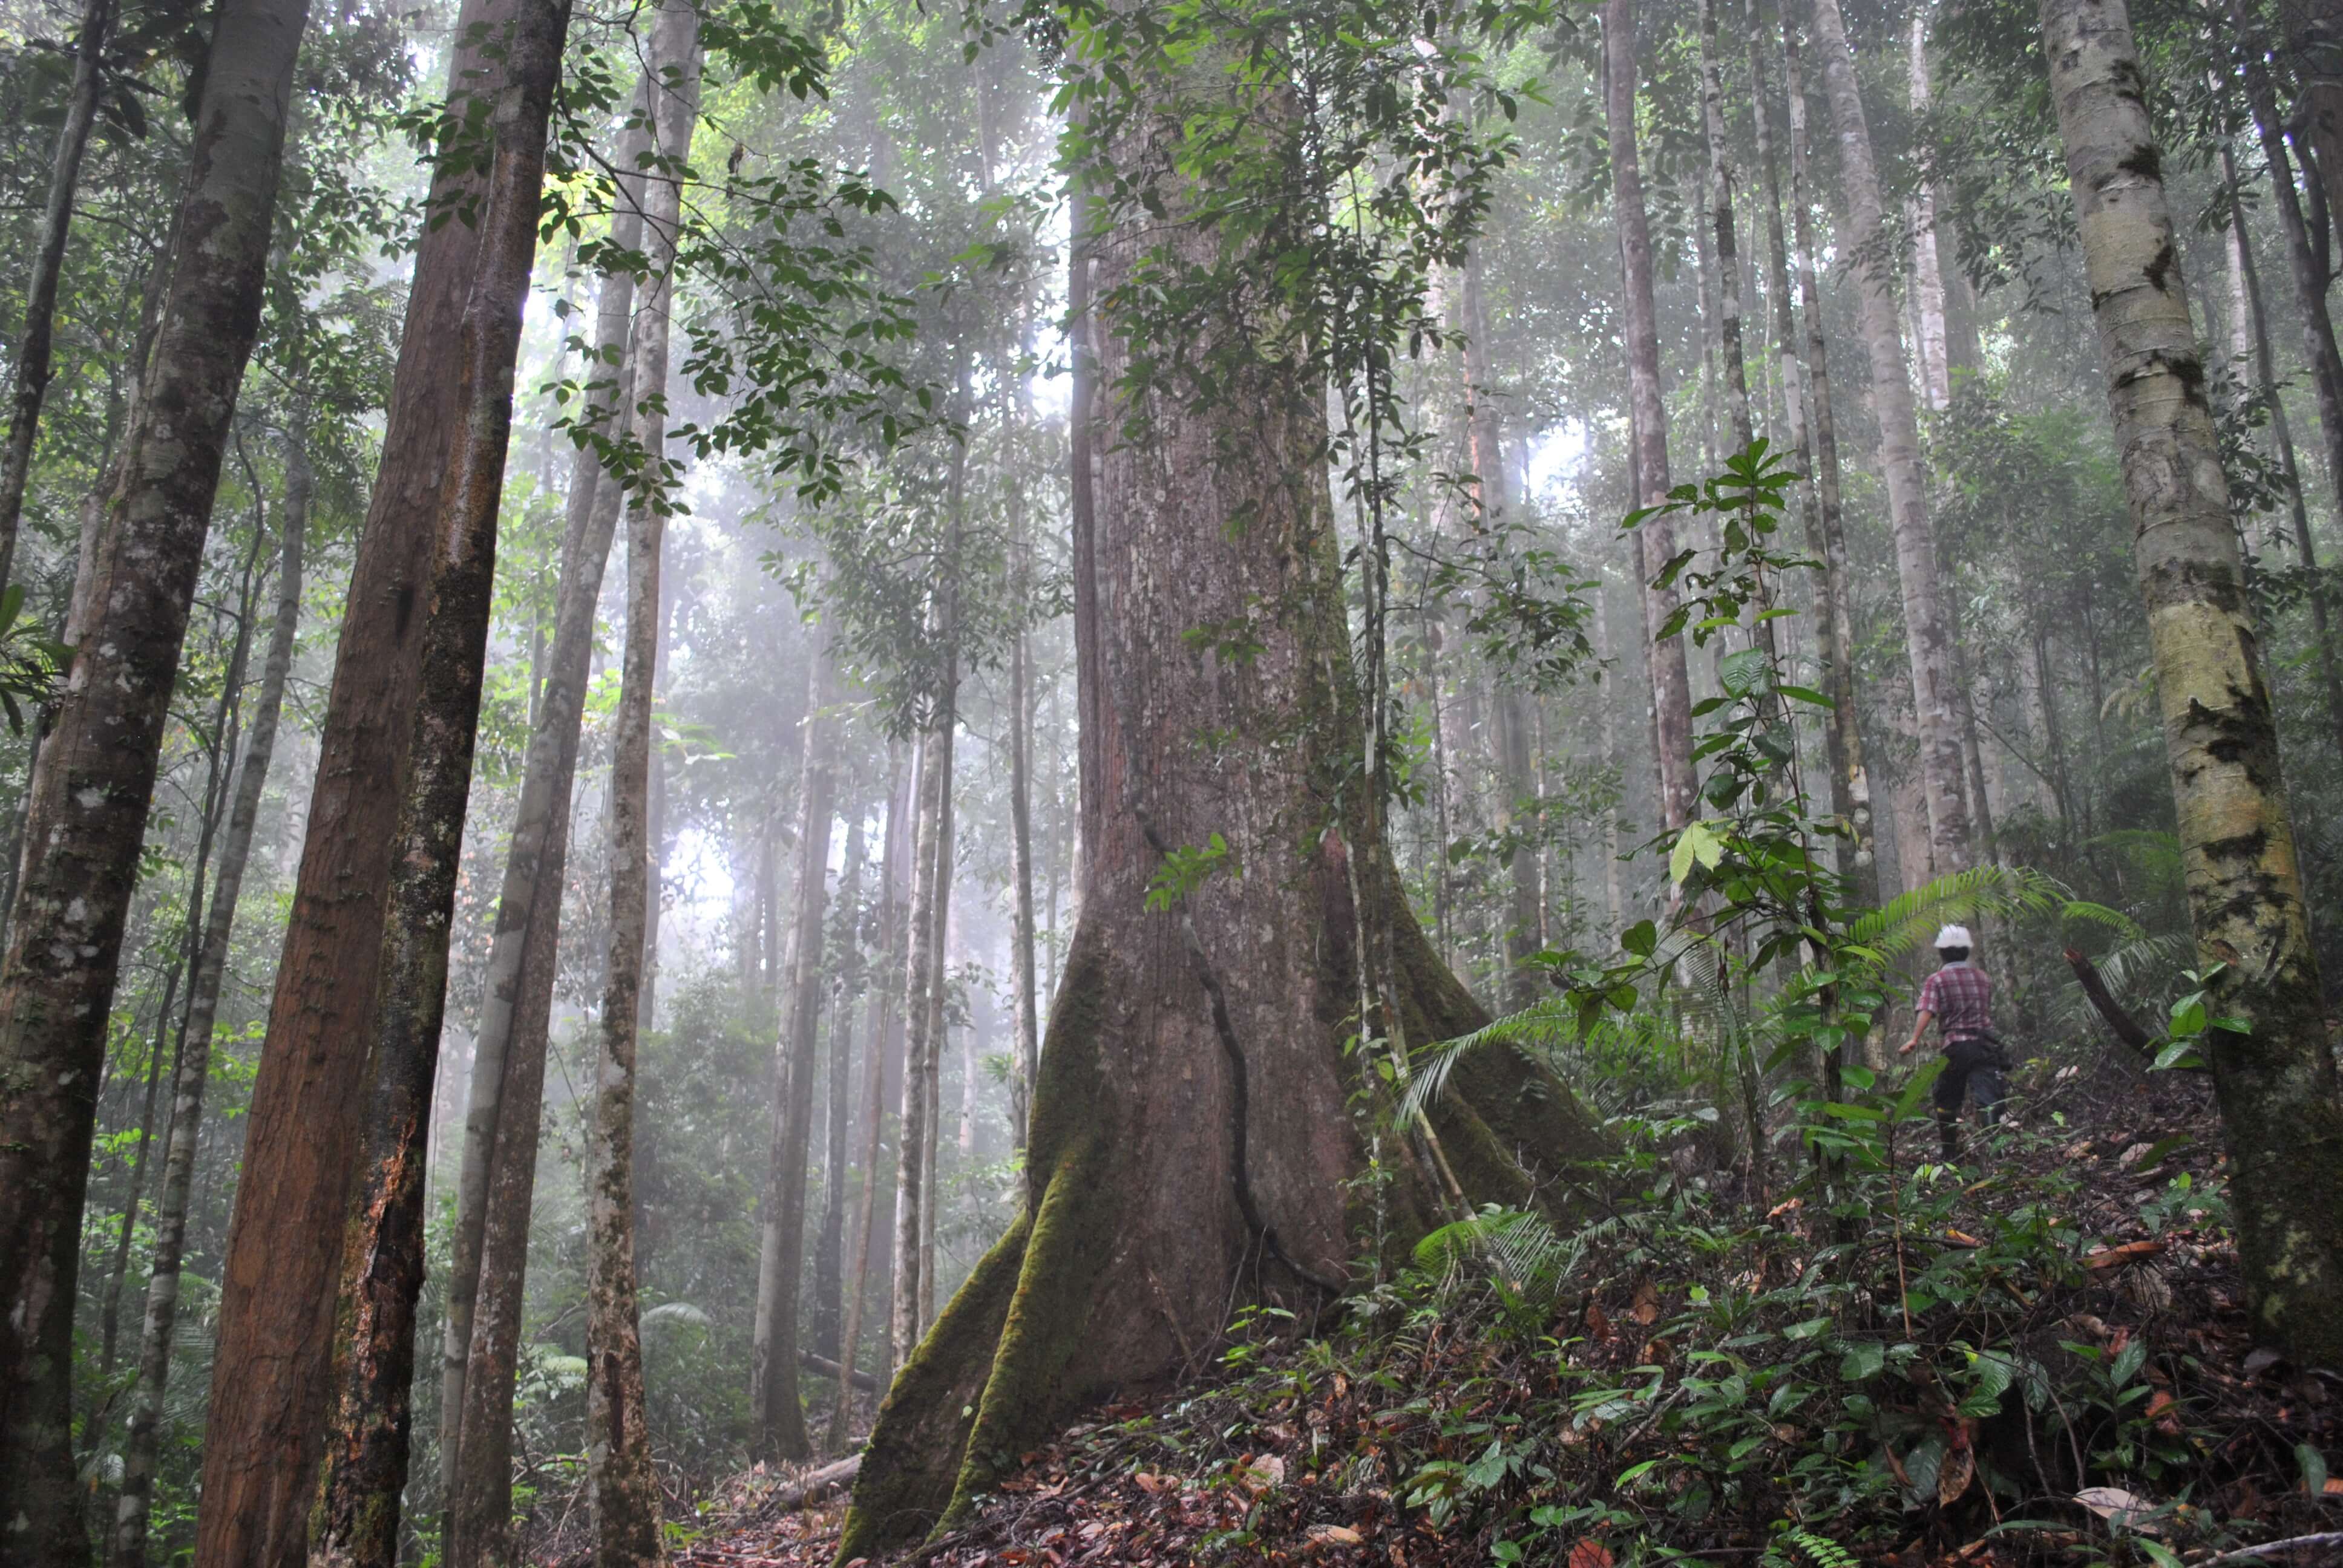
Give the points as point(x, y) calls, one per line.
point(1863, 1360)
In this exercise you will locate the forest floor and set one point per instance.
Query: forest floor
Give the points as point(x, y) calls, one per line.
point(2048, 1363)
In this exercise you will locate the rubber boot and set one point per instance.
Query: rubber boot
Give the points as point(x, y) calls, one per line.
point(1949, 1131)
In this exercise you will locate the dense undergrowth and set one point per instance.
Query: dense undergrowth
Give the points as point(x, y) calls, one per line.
point(2037, 1356)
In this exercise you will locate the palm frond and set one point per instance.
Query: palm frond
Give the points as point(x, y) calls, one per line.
point(1908, 921)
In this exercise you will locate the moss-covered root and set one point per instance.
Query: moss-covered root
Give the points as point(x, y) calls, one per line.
point(914, 1457)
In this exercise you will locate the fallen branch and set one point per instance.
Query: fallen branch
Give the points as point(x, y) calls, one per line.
point(2271, 1548)
point(822, 1366)
point(814, 1485)
point(2127, 1028)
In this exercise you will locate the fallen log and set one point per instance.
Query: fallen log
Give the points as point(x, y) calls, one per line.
point(822, 1366)
point(814, 1485)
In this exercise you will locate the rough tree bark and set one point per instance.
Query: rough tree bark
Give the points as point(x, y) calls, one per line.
point(1149, 1202)
point(2276, 1083)
point(624, 1492)
point(86, 814)
point(1935, 344)
point(773, 1372)
point(506, 1097)
point(271, 1361)
point(37, 331)
point(142, 1445)
point(364, 1472)
point(2314, 37)
point(1671, 683)
point(1927, 630)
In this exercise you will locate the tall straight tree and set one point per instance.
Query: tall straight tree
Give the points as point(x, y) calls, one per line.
point(504, 1099)
point(1857, 854)
point(2276, 1082)
point(1656, 542)
point(271, 1361)
point(781, 1413)
point(840, 965)
point(142, 1445)
point(85, 816)
point(1927, 629)
point(1190, 1138)
point(357, 1520)
point(36, 330)
point(624, 1492)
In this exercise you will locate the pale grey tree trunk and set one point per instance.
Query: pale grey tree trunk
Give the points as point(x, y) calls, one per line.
point(1928, 627)
point(529, 904)
point(1934, 343)
point(781, 1413)
point(2276, 1083)
point(625, 1493)
point(1671, 683)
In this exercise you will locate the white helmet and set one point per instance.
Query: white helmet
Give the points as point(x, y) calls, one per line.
point(1953, 936)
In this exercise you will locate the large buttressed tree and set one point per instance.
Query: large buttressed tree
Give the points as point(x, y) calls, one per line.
point(1200, 1126)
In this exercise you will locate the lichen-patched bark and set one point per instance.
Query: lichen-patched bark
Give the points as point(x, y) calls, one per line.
point(1228, 707)
point(142, 1445)
point(90, 788)
point(2276, 1083)
point(271, 1361)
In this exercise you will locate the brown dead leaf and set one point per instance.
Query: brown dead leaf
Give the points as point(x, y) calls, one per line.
point(1598, 1327)
point(1151, 1484)
point(1336, 1536)
point(2164, 1411)
point(1646, 1310)
point(2130, 1253)
point(2334, 1487)
point(1590, 1553)
point(1954, 1474)
point(1261, 1474)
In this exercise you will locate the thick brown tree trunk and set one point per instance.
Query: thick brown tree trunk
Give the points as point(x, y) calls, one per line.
point(1671, 683)
point(142, 1446)
point(504, 1099)
point(85, 817)
point(773, 1373)
point(1927, 629)
point(271, 1366)
point(1193, 1134)
point(364, 1472)
point(37, 331)
point(624, 1492)
point(2276, 1083)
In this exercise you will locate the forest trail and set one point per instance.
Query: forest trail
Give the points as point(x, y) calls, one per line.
point(1442, 1437)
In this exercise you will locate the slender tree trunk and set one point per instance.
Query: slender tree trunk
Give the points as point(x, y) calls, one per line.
point(874, 1069)
point(1730, 356)
point(272, 1364)
point(1671, 683)
point(1027, 1059)
point(528, 907)
point(780, 1413)
point(1082, 419)
point(37, 333)
point(2313, 41)
point(90, 789)
point(1928, 293)
point(110, 1315)
point(2276, 1083)
point(364, 1472)
point(1156, 1188)
point(938, 1037)
point(142, 1446)
point(1927, 629)
point(838, 1098)
point(625, 1493)
point(920, 1045)
point(1857, 849)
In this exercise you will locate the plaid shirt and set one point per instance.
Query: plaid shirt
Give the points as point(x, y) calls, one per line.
point(1961, 996)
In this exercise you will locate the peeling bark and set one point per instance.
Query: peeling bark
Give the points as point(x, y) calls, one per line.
point(89, 795)
point(2276, 1085)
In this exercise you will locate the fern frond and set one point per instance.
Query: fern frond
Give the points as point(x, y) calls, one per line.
point(1908, 922)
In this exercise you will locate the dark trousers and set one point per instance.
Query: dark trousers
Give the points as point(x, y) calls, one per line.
point(1973, 1067)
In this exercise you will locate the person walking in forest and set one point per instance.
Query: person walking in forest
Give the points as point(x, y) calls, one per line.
point(1959, 998)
